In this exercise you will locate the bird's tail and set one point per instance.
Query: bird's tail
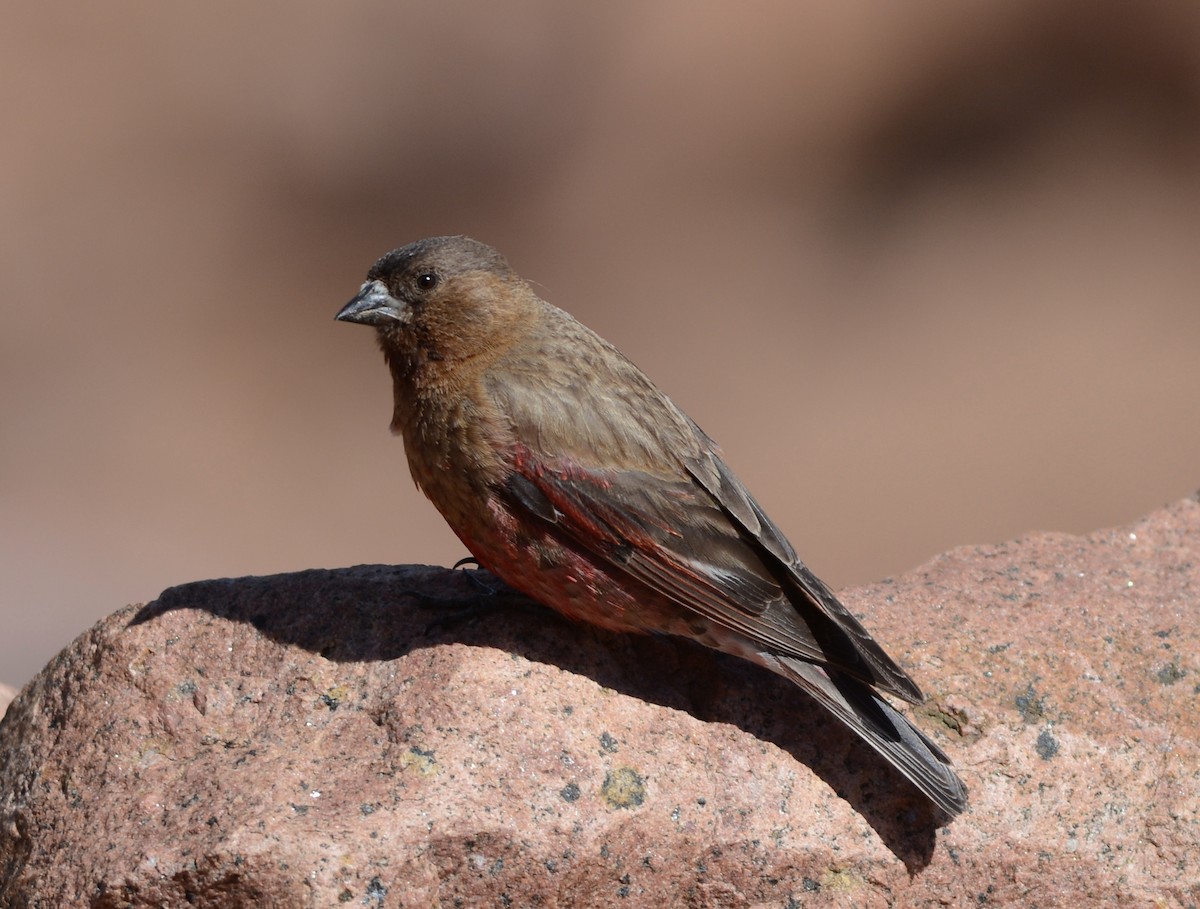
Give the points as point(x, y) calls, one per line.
point(878, 724)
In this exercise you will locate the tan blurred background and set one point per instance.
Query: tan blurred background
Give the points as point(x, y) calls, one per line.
point(927, 270)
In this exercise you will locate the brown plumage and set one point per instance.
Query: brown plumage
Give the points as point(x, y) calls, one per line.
point(570, 476)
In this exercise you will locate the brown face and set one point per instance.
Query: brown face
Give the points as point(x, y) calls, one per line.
point(450, 297)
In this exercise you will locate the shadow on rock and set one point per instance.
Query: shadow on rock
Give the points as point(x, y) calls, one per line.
point(377, 612)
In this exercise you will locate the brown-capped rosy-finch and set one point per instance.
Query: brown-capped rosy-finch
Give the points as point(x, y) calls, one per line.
point(567, 474)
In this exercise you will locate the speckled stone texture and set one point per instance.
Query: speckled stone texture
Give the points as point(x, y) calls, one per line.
point(410, 737)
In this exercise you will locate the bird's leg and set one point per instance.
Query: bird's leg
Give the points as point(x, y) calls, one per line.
point(493, 594)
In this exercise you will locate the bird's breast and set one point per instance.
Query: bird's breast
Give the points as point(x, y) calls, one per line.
point(456, 452)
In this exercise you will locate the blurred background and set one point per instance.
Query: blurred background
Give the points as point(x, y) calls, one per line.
point(928, 271)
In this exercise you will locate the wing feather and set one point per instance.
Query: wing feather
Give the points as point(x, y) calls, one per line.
point(702, 541)
point(880, 669)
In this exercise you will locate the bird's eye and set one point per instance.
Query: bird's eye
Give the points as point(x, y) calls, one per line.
point(427, 281)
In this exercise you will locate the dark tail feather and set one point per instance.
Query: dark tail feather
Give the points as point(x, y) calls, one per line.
point(904, 746)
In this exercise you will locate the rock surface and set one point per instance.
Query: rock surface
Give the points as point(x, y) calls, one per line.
point(360, 737)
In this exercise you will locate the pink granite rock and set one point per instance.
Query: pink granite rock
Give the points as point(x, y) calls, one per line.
point(349, 737)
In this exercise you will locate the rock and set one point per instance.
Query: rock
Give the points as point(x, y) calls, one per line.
point(414, 736)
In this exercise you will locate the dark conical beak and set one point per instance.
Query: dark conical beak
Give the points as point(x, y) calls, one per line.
point(373, 306)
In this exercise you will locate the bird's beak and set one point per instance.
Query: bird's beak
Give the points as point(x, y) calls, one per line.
point(373, 306)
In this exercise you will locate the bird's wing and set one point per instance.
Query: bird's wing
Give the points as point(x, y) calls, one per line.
point(804, 587)
point(699, 539)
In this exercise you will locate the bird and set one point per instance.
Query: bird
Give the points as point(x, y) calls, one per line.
point(568, 475)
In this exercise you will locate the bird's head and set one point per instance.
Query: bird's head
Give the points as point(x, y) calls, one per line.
point(451, 298)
